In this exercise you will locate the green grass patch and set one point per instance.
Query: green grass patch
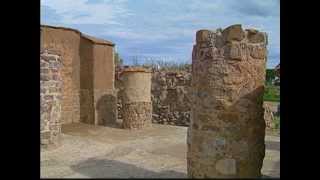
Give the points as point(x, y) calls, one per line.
point(272, 93)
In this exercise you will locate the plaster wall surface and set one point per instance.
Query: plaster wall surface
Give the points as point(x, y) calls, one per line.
point(67, 43)
point(137, 87)
point(87, 74)
point(105, 99)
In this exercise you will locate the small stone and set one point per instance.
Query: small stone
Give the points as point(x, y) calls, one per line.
point(202, 35)
point(255, 36)
point(44, 77)
point(44, 64)
point(49, 58)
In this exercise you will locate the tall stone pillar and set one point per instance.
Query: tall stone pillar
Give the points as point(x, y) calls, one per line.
point(227, 130)
point(136, 98)
point(50, 98)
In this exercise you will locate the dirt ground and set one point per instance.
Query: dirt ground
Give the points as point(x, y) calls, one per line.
point(110, 152)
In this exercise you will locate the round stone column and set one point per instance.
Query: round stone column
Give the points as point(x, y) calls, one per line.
point(136, 98)
point(50, 98)
point(227, 130)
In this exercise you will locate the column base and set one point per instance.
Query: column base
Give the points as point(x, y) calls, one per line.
point(137, 115)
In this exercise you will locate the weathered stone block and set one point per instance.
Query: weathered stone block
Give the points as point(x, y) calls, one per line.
point(203, 36)
point(233, 33)
point(256, 37)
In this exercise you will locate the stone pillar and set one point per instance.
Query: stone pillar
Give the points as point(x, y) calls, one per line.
point(50, 98)
point(136, 98)
point(227, 130)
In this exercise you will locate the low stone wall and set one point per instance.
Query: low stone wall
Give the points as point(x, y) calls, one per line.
point(171, 97)
point(50, 97)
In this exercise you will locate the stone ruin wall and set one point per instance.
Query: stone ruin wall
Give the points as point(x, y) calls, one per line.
point(87, 75)
point(171, 98)
point(226, 135)
point(66, 43)
point(170, 92)
point(50, 97)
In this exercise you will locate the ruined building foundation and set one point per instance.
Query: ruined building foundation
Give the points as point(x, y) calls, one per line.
point(50, 98)
point(227, 130)
point(136, 98)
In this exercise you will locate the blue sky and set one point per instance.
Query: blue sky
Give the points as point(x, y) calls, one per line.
point(163, 29)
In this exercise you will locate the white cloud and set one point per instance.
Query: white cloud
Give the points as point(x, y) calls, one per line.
point(162, 27)
point(80, 12)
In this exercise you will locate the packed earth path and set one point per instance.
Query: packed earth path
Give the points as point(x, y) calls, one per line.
point(89, 151)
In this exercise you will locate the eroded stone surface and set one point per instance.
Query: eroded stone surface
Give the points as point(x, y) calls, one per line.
point(171, 97)
point(137, 115)
point(226, 134)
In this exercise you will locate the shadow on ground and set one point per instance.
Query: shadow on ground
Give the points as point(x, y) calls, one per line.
point(103, 168)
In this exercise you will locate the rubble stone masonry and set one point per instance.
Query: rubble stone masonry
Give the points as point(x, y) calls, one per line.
point(227, 130)
point(50, 98)
point(171, 97)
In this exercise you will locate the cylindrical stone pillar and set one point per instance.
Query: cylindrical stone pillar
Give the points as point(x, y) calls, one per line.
point(226, 134)
point(136, 98)
point(50, 98)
